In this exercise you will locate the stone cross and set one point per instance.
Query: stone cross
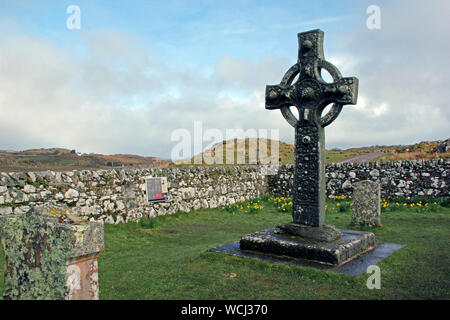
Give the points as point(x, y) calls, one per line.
point(310, 94)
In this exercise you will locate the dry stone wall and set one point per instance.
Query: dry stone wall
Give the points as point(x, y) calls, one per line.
point(118, 196)
point(397, 178)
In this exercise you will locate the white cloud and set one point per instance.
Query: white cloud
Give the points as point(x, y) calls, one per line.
point(115, 98)
point(118, 98)
point(402, 71)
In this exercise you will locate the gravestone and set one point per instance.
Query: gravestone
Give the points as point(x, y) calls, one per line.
point(310, 94)
point(366, 203)
point(49, 256)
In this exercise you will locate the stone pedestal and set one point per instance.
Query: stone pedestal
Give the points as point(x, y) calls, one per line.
point(324, 233)
point(349, 245)
point(82, 266)
point(50, 257)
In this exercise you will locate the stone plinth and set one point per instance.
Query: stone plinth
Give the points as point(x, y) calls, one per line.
point(324, 233)
point(349, 245)
point(82, 266)
point(366, 204)
point(49, 256)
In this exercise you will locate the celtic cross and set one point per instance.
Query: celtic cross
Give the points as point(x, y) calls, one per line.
point(310, 94)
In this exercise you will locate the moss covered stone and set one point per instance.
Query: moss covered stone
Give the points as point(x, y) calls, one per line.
point(50, 255)
point(36, 250)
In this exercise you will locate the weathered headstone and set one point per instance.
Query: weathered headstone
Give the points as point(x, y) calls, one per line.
point(366, 203)
point(310, 94)
point(50, 257)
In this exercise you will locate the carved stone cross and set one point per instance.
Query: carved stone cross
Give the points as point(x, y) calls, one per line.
point(310, 94)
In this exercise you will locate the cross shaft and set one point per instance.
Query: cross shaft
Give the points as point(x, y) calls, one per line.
point(310, 94)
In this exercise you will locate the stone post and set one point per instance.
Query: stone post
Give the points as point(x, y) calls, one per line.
point(49, 257)
point(366, 203)
point(82, 266)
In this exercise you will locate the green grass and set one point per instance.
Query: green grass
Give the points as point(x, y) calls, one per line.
point(167, 258)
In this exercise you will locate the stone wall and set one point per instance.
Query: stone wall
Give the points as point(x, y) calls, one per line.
point(117, 196)
point(397, 178)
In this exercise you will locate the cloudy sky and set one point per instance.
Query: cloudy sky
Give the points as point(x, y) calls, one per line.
point(136, 71)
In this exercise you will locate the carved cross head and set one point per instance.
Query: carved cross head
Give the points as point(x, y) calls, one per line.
point(310, 94)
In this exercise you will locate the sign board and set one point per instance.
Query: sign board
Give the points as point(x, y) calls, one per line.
point(156, 188)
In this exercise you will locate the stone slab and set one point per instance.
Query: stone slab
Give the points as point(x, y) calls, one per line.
point(350, 244)
point(352, 268)
point(325, 232)
point(360, 264)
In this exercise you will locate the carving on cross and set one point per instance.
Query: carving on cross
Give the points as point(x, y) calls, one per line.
point(310, 93)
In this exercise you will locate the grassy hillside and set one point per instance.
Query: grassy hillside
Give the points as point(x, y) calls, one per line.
point(422, 150)
point(418, 151)
point(250, 148)
point(60, 159)
point(64, 159)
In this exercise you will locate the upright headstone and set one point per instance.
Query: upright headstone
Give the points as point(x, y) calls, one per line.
point(310, 94)
point(366, 203)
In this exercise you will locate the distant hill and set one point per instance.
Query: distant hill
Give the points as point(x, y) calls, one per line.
point(250, 150)
point(60, 159)
point(418, 151)
point(64, 159)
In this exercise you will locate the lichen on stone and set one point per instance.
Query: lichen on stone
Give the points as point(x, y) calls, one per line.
point(36, 250)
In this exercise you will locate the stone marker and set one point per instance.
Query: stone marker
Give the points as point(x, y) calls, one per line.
point(50, 257)
point(366, 203)
point(310, 94)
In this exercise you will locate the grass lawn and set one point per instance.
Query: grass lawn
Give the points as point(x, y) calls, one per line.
point(167, 257)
